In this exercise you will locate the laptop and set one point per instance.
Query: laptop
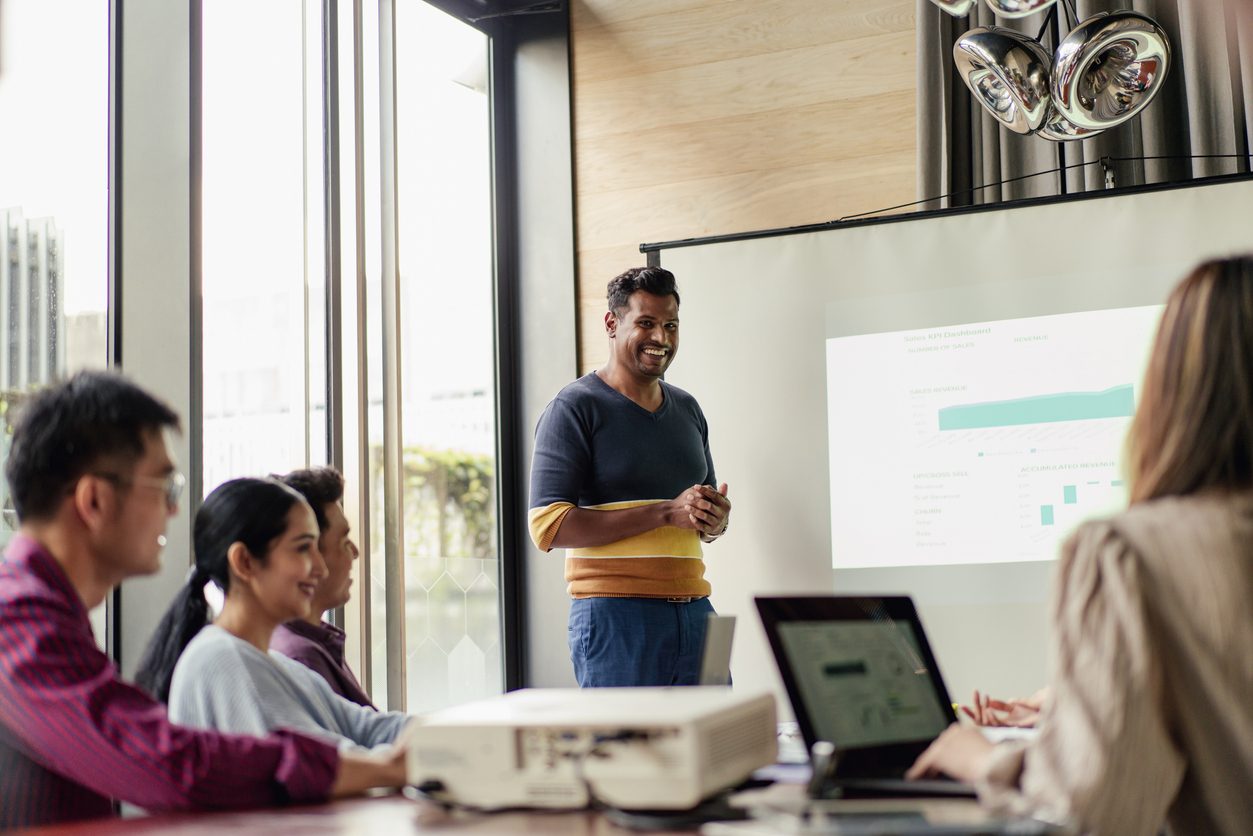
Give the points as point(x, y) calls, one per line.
point(863, 681)
point(715, 658)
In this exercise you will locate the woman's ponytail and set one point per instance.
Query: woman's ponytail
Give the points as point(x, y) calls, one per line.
point(187, 615)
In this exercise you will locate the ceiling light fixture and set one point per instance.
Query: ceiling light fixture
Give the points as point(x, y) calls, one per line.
point(1105, 71)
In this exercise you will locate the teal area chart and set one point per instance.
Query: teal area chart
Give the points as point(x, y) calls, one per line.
point(986, 442)
point(1115, 402)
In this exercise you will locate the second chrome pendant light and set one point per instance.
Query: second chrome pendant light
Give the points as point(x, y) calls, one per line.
point(1105, 71)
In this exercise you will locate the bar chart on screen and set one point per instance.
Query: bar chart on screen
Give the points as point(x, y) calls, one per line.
point(979, 443)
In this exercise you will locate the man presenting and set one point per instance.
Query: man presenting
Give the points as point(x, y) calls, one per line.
point(623, 478)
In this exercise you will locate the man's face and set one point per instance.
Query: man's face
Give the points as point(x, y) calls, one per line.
point(130, 539)
point(339, 551)
point(646, 337)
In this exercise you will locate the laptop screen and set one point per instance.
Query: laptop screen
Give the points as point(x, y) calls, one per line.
point(863, 683)
point(860, 673)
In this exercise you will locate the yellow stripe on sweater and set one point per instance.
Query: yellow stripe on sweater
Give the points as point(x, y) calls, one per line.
point(666, 541)
point(544, 523)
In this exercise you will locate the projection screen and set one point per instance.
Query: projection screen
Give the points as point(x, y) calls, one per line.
point(930, 405)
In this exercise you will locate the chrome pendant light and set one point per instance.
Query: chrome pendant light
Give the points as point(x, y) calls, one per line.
point(1109, 68)
point(1018, 8)
point(1058, 129)
point(957, 8)
point(1008, 73)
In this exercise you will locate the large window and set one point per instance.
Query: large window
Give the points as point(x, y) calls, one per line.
point(452, 635)
point(410, 326)
point(54, 172)
point(263, 272)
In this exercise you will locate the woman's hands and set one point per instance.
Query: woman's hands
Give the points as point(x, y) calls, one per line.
point(961, 752)
point(1016, 713)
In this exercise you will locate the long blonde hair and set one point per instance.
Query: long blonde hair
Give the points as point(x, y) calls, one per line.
point(1193, 429)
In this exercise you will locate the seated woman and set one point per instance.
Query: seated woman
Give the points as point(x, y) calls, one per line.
point(1149, 718)
point(258, 540)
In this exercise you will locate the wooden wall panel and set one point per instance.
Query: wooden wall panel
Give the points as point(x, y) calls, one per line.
point(658, 35)
point(820, 191)
point(699, 117)
point(743, 86)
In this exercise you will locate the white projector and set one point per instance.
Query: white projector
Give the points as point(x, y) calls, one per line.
point(632, 748)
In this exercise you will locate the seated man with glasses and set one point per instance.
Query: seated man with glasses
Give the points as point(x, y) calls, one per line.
point(93, 485)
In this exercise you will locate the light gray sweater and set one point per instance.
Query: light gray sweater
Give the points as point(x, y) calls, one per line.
point(222, 682)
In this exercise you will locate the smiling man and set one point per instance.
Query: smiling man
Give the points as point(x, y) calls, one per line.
point(622, 478)
point(313, 642)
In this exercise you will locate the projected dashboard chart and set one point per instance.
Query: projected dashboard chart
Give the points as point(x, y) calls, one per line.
point(980, 443)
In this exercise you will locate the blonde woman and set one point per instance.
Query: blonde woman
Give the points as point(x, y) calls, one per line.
point(1149, 719)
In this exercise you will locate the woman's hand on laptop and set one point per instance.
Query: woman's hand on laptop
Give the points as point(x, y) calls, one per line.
point(1016, 713)
point(961, 752)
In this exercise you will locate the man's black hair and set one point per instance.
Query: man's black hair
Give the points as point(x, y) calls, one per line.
point(66, 430)
point(320, 486)
point(654, 280)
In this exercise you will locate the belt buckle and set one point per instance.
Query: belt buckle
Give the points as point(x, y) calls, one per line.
point(680, 599)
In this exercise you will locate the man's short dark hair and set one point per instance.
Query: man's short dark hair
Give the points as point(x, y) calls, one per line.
point(654, 280)
point(320, 486)
point(64, 431)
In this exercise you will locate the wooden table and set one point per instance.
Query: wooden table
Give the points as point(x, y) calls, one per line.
point(397, 814)
point(381, 816)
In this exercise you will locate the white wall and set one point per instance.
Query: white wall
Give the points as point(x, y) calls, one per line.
point(546, 326)
point(154, 288)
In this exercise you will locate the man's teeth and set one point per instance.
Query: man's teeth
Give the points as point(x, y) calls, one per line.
point(658, 352)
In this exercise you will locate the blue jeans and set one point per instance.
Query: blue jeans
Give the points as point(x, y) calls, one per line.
point(636, 641)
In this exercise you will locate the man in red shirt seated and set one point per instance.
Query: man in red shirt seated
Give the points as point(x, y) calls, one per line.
point(93, 485)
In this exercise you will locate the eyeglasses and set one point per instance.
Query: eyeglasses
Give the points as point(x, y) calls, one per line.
point(172, 485)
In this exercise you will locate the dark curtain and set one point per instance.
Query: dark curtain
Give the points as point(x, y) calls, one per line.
point(1205, 108)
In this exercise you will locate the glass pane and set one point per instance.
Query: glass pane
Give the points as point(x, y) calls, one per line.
point(54, 218)
point(452, 614)
point(355, 648)
point(264, 349)
point(371, 207)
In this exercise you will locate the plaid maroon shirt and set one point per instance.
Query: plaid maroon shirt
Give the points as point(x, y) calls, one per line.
point(74, 736)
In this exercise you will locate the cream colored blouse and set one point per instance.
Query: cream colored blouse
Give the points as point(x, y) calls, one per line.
point(1151, 715)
